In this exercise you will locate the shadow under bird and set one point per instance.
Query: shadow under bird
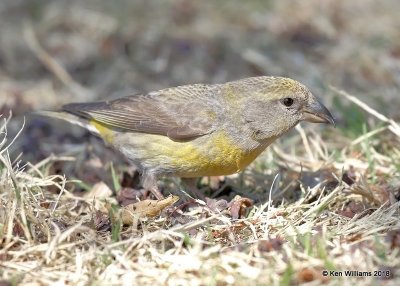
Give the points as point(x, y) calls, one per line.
point(198, 130)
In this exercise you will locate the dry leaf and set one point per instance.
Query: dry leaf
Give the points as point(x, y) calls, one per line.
point(18, 230)
point(239, 205)
point(269, 245)
point(102, 221)
point(99, 191)
point(146, 208)
point(97, 194)
point(310, 274)
point(350, 176)
point(352, 209)
point(216, 205)
point(127, 196)
point(353, 238)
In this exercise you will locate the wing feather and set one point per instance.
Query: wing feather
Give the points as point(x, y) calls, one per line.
point(179, 113)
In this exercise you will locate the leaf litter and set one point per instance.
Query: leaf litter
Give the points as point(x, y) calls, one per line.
point(76, 236)
point(305, 206)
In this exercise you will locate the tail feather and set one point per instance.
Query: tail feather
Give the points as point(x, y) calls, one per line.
point(71, 118)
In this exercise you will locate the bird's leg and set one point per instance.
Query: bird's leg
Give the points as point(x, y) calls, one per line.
point(156, 192)
point(190, 183)
point(150, 183)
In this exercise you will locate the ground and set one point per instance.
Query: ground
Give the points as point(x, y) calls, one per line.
point(321, 205)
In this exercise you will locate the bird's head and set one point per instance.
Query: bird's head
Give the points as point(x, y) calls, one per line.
point(277, 104)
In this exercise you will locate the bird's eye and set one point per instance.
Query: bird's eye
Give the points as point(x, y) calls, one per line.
point(288, 101)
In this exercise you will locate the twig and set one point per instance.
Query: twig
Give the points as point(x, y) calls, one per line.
point(368, 135)
point(53, 66)
point(305, 142)
point(393, 126)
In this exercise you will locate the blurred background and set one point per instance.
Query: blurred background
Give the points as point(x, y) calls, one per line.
point(60, 51)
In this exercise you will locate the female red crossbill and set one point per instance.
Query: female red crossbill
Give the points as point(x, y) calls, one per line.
point(199, 130)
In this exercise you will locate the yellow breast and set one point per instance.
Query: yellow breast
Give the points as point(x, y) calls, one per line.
point(213, 156)
point(210, 155)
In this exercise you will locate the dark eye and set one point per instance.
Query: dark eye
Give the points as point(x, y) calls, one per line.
point(288, 101)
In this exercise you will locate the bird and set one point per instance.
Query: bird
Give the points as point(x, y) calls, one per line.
point(198, 130)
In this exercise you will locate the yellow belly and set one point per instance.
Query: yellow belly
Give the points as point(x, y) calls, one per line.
point(210, 155)
point(217, 157)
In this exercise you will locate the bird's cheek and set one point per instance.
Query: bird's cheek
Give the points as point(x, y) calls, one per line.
point(288, 122)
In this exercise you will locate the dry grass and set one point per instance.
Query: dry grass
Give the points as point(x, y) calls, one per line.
point(349, 220)
point(325, 199)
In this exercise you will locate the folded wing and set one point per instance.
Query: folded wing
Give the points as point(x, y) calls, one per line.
point(179, 113)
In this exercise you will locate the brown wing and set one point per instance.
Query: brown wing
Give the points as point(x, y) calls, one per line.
point(181, 113)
